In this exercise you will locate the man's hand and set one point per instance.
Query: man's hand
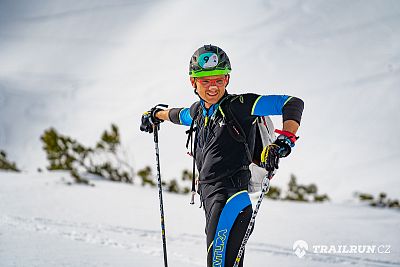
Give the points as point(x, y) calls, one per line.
point(279, 149)
point(149, 119)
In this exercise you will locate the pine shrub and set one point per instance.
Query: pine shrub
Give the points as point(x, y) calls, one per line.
point(303, 193)
point(5, 164)
point(380, 201)
point(105, 160)
point(147, 177)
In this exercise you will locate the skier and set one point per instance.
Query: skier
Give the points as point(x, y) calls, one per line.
point(222, 161)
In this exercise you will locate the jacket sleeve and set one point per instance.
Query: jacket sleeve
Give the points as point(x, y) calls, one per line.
point(183, 116)
point(290, 107)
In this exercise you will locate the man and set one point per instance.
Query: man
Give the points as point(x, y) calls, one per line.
point(222, 160)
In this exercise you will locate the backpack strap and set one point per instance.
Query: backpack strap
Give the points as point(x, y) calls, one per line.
point(233, 125)
point(193, 144)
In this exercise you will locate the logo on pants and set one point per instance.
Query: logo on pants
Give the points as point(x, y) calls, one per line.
point(219, 248)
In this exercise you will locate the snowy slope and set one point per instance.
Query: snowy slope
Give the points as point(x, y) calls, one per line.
point(81, 65)
point(44, 222)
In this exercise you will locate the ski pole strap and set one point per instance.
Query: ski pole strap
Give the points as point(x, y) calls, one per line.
point(291, 136)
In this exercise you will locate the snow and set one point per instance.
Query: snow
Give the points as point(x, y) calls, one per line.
point(45, 222)
point(81, 65)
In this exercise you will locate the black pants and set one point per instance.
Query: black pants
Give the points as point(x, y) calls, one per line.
point(214, 198)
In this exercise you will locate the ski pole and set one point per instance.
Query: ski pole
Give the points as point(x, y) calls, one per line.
point(156, 128)
point(264, 190)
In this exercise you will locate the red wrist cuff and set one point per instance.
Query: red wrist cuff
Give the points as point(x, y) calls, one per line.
point(292, 137)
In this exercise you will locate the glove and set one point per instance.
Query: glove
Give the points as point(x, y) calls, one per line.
point(279, 149)
point(149, 119)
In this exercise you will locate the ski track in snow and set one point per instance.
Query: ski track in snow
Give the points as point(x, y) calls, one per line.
point(148, 241)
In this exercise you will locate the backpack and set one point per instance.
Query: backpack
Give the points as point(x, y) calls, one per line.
point(264, 135)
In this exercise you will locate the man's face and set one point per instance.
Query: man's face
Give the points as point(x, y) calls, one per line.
point(210, 88)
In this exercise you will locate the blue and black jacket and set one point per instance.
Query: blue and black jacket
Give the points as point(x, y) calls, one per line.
point(218, 154)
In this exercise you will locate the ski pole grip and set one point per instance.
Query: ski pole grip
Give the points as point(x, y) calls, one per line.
point(162, 106)
point(156, 126)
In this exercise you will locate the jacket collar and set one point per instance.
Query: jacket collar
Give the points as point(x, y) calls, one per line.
point(213, 108)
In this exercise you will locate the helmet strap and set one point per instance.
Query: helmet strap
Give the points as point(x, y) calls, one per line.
point(228, 76)
point(195, 92)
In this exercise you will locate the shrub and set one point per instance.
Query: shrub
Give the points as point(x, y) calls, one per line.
point(106, 160)
point(365, 197)
point(274, 192)
point(146, 175)
point(5, 164)
point(186, 190)
point(61, 150)
point(303, 193)
point(321, 198)
point(187, 177)
point(170, 186)
point(381, 201)
point(173, 186)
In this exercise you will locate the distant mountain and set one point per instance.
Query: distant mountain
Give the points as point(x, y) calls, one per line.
point(79, 66)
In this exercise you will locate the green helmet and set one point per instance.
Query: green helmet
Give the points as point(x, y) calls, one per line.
point(209, 60)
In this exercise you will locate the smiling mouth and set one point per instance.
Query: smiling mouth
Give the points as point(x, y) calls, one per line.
point(212, 94)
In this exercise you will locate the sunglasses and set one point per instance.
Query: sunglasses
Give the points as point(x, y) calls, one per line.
point(207, 83)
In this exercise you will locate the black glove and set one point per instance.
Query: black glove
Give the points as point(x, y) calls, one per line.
point(149, 119)
point(279, 149)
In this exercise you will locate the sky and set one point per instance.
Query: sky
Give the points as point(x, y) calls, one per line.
point(79, 66)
